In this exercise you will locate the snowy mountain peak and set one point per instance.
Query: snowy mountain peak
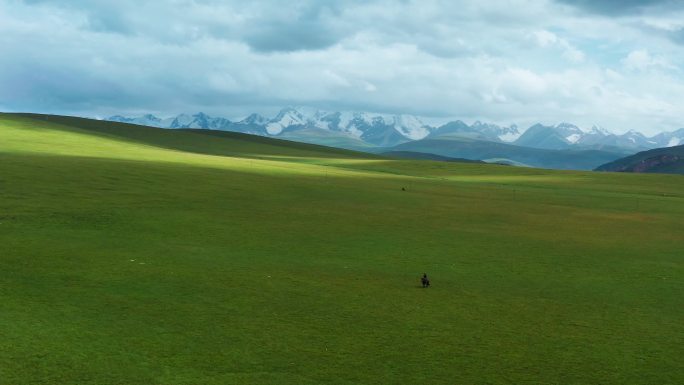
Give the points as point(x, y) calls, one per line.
point(145, 120)
point(411, 127)
point(151, 117)
point(504, 134)
point(565, 125)
point(569, 128)
point(598, 130)
point(634, 134)
point(254, 119)
point(674, 141)
point(478, 125)
point(670, 139)
point(288, 111)
point(353, 124)
point(287, 117)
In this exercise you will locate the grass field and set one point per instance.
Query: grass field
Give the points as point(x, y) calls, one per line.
point(134, 255)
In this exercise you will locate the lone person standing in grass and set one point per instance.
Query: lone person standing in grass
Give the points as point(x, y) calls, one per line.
point(425, 280)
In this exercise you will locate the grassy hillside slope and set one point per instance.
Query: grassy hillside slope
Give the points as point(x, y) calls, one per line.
point(326, 138)
point(669, 160)
point(196, 140)
point(425, 156)
point(135, 256)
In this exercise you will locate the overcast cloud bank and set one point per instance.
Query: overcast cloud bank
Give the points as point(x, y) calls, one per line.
point(614, 64)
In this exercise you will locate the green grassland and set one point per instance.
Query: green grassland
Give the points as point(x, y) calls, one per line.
point(134, 255)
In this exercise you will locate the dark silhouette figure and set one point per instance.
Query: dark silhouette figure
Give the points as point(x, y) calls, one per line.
point(425, 280)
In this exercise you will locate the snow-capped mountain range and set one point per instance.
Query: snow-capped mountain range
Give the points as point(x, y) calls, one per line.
point(373, 129)
point(566, 135)
point(358, 129)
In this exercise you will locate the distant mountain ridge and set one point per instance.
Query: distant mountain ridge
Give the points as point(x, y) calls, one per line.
point(566, 135)
point(359, 128)
point(491, 152)
point(362, 129)
point(564, 146)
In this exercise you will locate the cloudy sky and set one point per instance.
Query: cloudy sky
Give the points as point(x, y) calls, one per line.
point(615, 63)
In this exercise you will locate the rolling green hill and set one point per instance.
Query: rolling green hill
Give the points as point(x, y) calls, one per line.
point(194, 140)
point(425, 156)
point(669, 160)
point(459, 147)
point(143, 256)
point(326, 138)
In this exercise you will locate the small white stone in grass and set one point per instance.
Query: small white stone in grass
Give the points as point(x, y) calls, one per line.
point(268, 276)
point(132, 260)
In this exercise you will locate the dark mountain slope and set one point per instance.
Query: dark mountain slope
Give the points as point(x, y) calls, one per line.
point(669, 160)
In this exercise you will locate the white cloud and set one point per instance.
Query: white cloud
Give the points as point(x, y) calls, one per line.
point(641, 60)
point(573, 54)
point(547, 39)
point(529, 61)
